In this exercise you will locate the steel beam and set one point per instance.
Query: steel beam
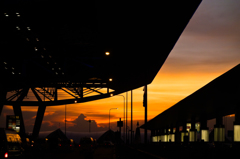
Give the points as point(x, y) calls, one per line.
point(38, 121)
point(2, 99)
point(18, 112)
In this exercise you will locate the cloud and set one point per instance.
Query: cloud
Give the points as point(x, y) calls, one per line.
point(82, 125)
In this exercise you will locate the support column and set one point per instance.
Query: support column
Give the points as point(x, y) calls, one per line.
point(171, 135)
point(184, 133)
point(2, 99)
point(204, 129)
point(18, 112)
point(145, 105)
point(193, 131)
point(40, 114)
point(236, 128)
point(219, 130)
point(177, 134)
point(38, 121)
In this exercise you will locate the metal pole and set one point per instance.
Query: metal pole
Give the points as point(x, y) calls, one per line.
point(145, 131)
point(131, 116)
point(126, 116)
point(109, 119)
point(65, 121)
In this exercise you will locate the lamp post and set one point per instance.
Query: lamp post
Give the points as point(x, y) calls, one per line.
point(123, 113)
point(109, 116)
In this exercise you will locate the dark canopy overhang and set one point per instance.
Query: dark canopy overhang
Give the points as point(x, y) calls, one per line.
point(219, 97)
point(138, 35)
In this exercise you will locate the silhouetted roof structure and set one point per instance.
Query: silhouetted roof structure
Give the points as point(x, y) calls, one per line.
point(57, 134)
point(218, 97)
point(107, 136)
point(49, 43)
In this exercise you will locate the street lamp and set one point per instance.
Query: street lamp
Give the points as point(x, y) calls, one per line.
point(123, 112)
point(109, 116)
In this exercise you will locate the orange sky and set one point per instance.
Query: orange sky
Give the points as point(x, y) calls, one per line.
point(208, 47)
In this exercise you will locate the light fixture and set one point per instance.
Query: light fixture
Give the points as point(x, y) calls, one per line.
point(110, 79)
point(107, 53)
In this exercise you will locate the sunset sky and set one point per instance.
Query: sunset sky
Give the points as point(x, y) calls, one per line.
point(208, 47)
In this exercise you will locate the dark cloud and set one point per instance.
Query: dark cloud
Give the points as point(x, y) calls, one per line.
point(82, 125)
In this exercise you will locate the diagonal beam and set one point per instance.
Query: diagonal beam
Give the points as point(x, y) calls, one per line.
point(38, 121)
point(36, 95)
point(44, 94)
point(96, 90)
point(14, 96)
point(69, 93)
point(18, 112)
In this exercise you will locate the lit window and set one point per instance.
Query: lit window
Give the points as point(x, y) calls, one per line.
point(52, 68)
point(50, 56)
point(6, 14)
point(59, 68)
point(35, 48)
point(42, 56)
point(56, 73)
point(27, 39)
point(28, 28)
point(18, 15)
point(44, 49)
point(12, 68)
point(6, 68)
point(37, 39)
point(110, 79)
point(13, 73)
point(63, 73)
point(5, 63)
